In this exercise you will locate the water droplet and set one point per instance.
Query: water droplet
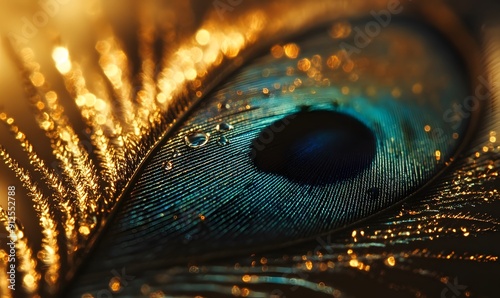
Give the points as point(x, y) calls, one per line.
point(167, 165)
point(196, 139)
point(175, 153)
point(224, 127)
point(222, 141)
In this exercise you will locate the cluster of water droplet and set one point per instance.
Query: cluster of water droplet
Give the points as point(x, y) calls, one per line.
point(223, 128)
point(169, 164)
point(198, 138)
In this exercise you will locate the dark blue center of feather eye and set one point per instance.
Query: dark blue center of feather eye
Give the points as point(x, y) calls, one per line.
point(316, 147)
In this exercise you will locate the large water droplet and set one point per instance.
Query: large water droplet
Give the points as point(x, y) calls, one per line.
point(196, 139)
point(315, 147)
point(224, 127)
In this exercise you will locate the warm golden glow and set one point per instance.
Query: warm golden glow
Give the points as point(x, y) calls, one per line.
point(438, 155)
point(396, 92)
point(203, 37)
point(345, 90)
point(118, 116)
point(340, 30)
point(354, 263)
point(114, 284)
point(333, 62)
point(4, 278)
point(304, 64)
point(391, 261)
point(291, 50)
point(309, 265)
point(236, 291)
point(84, 230)
point(417, 88)
point(37, 79)
point(26, 263)
point(277, 51)
point(61, 58)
